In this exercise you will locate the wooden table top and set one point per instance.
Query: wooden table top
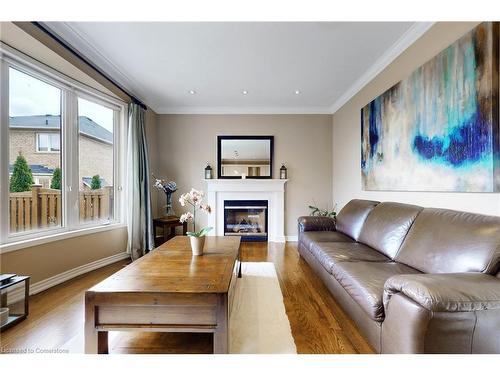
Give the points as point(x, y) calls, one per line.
point(171, 268)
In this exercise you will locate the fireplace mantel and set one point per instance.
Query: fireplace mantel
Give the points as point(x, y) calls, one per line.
point(272, 190)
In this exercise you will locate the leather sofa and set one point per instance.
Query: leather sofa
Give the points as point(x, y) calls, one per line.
point(413, 279)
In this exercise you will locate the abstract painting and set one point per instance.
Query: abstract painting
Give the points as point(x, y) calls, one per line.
point(438, 129)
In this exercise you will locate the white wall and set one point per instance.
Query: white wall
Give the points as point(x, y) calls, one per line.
point(347, 132)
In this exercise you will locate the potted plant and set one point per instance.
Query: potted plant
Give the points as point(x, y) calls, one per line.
point(169, 188)
point(197, 238)
point(315, 211)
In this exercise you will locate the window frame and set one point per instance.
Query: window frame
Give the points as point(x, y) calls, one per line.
point(70, 91)
point(49, 134)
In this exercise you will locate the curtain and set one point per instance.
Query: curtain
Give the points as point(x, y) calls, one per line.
point(139, 215)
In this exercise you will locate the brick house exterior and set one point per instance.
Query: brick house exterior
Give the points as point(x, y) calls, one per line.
point(95, 148)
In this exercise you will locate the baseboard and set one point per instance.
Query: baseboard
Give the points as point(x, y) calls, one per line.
point(42, 285)
point(283, 239)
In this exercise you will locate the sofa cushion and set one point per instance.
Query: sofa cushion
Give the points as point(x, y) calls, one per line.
point(445, 241)
point(351, 218)
point(386, 226)
point(450, 292)
point(364, 281)
point(329, 253)
point(308, 238)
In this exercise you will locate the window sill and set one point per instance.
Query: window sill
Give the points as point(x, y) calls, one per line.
point(19, 245)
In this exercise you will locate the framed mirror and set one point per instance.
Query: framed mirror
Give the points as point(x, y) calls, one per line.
point(249, 156)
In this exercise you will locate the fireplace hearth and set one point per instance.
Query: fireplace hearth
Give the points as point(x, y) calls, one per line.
point(246, 218)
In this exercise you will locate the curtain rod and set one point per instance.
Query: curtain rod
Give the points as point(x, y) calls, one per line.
point(75, 53)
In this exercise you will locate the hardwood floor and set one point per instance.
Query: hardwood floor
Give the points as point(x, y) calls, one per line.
point(319, 326)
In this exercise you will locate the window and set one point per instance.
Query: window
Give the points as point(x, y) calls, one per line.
point(48, 142)
point(95, 160)
point(61, 147)
point(34, 199)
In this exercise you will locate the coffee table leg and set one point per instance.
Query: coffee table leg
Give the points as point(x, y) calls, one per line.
point(90, 331)
point(221, 333)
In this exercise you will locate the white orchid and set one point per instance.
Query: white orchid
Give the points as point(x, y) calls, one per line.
point(188, 216)
point(195, 199)
point(206, 208)
point(182, 200)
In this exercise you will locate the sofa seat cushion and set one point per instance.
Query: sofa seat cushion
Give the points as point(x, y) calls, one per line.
point(329, 253)
point(308, 238)
point(364, 282)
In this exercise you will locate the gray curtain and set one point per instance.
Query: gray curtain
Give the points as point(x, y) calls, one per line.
point(139, 215)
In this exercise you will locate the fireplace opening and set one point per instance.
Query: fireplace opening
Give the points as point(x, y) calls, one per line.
point(247, 219)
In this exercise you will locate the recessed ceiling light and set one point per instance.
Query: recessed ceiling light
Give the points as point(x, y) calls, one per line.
point(244, 92)
point(297, 92)
point(192, 92)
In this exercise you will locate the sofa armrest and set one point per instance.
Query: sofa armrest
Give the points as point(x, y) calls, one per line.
point(455, 292)
point(316, 223)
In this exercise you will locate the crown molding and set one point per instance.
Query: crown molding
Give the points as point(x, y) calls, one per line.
point(406, 40)
point(81, 43)
point(193, 110)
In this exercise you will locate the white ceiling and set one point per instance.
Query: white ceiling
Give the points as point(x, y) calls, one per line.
point(160, 62)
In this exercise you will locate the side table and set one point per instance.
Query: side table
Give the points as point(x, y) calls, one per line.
point(12, 317)
point(168, 224)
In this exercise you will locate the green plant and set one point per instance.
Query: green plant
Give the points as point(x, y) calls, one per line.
point(315, 211)
point(200, 233)
point(56, 179)
point(22, 178)
point(96, 182)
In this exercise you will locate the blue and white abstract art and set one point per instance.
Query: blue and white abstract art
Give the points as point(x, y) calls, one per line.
point(438, 129)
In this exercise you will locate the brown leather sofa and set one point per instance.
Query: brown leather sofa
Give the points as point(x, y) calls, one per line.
point(413, 279)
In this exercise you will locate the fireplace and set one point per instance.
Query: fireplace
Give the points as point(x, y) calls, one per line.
point(271, 191)
point(246, 218)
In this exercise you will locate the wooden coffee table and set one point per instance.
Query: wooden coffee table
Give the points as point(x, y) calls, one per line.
point(167, 290)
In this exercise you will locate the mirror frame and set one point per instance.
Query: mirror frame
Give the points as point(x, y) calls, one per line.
point(220, 138)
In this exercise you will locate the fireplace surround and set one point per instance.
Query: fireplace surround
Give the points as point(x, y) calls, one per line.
point(270, 190)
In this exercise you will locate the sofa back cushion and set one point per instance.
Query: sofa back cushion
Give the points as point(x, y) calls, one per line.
point(351, 218)
point(387, 225)
point(445, 241)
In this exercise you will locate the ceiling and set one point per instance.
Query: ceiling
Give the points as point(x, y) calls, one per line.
point(204, 67)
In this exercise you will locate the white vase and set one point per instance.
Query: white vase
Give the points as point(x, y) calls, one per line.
point(197, 244)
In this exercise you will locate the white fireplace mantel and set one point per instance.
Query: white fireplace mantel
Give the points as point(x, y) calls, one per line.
point(272, 190)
